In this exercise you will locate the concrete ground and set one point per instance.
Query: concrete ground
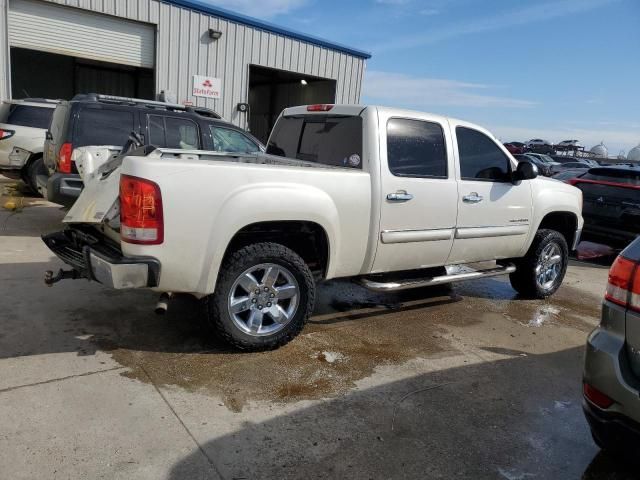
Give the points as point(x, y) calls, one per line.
point(461, 382)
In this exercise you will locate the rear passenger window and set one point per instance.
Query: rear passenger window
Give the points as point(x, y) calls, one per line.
point(98, 126)
point(480, 157)
point(416, 148)
point(172, 132)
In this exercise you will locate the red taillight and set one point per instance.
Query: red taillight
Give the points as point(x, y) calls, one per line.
point(624, 284)
point(141, 219)
point(64, 158)
point(596, 397)
point(572, 181)
point(6, 133)
point(322, 107)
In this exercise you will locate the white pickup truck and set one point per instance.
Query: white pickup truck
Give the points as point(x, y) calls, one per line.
point(391, 198)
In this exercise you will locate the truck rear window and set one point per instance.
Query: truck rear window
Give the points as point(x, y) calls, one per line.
point(29, 116)
point(325, 139)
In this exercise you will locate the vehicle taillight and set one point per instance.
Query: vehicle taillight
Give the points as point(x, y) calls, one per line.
point(596, 397)
point(6, 133)
point(141, 219)
point(624, 284)
point(323, 107)
point(64, 158)
point(572, 181)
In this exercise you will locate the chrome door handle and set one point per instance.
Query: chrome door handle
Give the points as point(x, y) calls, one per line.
point(473, 197)
point(399, 196)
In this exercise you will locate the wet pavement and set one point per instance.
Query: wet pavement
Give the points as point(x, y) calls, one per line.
point(467, 381)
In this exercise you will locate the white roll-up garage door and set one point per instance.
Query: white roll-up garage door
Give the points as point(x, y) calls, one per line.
point(37, 25)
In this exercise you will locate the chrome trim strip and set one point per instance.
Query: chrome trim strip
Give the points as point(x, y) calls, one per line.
point(410, 236)
point(485, 232)
point(425, 282)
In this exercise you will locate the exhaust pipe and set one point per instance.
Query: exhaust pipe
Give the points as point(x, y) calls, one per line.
point(163, 303)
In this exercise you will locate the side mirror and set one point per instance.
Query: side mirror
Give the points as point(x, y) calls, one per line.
point(525, 171)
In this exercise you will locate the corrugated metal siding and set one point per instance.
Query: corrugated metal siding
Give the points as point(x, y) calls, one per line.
point(183, 49)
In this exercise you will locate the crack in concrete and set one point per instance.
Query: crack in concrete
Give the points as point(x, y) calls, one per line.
point(54, 380)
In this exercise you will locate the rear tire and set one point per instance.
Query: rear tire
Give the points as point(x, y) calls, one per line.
point(264, 296)
point(540, 272)
point(35, 167)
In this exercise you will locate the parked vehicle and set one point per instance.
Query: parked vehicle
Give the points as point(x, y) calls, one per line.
point(515, 148)
point(573, 166)
point(107, 122)
point(23, 124)
point(555, 166)
point(611, 382)
point(568, 145)
point(543, 167)
point(538, 145)
point(569, 174)
point(611, 203)
point(343, 191)
point(566, 159)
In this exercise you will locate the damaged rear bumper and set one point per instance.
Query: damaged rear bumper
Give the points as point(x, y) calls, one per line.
point(95, 259)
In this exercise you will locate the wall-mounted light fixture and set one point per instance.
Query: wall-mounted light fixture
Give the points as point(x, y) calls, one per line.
point(243, 107)
point(214, 34)
point(303, 82)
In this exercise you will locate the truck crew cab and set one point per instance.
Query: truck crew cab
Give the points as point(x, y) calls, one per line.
point(387, 197)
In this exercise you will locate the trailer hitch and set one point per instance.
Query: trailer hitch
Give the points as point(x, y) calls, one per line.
point(50, 278)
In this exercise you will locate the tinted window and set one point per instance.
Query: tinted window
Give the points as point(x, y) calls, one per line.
point(416, 148)
point(480, 157)
point(620, 175)
point(28, 116)
point(227, 140)
point(171, 132)
point(103, 127)
point(326, 139)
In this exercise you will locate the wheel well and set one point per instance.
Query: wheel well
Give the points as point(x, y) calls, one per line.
point(565, 223)
point(307, 239)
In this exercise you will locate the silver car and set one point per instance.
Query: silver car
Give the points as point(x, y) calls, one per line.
point(611, 383)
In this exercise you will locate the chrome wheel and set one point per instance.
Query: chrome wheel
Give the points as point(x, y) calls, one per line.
point(263, 299)
point(549, 266)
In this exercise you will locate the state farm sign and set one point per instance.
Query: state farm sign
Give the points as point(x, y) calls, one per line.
point(208, 87)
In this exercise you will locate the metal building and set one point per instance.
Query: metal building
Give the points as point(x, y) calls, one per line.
point(190, 50)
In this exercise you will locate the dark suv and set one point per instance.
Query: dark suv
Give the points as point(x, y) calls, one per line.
point(95, 120)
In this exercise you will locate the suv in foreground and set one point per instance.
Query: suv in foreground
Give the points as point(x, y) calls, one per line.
point(103, 120)
point(612, 363)
point(23, 124)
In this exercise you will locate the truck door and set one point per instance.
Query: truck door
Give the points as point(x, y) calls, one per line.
point(419, 193)
point(494, 214)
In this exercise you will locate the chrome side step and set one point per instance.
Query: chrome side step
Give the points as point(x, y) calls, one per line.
point(430, 281)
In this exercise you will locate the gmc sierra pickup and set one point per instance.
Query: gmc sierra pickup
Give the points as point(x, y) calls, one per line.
point(388, 197)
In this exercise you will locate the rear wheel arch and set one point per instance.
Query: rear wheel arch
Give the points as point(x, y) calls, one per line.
point(308, 239)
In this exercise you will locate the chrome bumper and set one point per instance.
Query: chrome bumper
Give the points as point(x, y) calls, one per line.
point(118, 275)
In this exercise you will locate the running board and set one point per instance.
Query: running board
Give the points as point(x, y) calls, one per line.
point(430, 281)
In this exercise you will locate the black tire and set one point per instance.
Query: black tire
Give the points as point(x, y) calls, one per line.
point(35, 167)
point(217, 304)
point(524, 280)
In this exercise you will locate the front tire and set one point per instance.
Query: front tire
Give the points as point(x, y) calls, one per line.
point(264, 296)
point(540, 272)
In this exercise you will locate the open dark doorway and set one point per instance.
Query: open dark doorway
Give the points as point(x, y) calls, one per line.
point(65, 76)
point(272, 90)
